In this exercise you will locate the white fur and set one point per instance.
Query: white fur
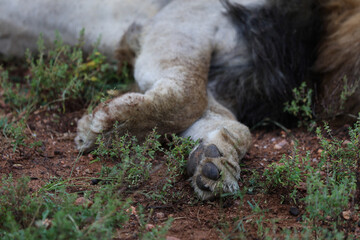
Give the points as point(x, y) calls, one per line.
point(22, 21)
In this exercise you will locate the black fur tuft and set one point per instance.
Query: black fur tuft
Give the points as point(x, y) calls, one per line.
point(281, 38)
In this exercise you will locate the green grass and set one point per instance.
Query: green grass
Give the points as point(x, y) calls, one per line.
point(332, 188)
point(133, 158)
point(63, 74)
point(51, 212)
point(14, 132)
point(53, 215)
point(301, 106)
point(285, 176)
point(134, 161)
point(58, 77)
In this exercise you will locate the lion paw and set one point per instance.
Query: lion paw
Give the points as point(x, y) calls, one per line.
point(85, 138)
point(212, 171)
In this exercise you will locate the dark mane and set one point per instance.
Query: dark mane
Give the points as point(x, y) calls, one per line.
point(281, 38)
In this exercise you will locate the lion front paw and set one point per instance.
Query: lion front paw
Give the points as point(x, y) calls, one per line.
point(212, 171)
point(85, 138)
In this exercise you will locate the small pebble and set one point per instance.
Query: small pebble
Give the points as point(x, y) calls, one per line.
point(294, 211)
point(95, 181)
point(160, 215)
point(283, 134)
point(132, 210)
point(43, 223)
point(345, 143)
point(83, 202)
point(346, 214)
point(149, 227)
point(57, 152)
point(280, 145)
point(172, 238)
point(17, 165)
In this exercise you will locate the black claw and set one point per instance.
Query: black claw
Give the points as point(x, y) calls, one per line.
point(201, 185)
point(211, 171)
point(194, 160)
point(212, 151)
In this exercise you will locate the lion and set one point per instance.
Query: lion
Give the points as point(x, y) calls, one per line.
point(205, 69)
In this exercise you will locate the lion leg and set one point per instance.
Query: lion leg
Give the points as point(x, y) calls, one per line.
point(213, 165)
point(139, 113)
point(174, 96)
point(171, 70)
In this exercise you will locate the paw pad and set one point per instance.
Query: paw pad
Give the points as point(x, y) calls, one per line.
point(212, 151)
point(211, 171)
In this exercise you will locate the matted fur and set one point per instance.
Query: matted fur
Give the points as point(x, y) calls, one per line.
point(339, 59)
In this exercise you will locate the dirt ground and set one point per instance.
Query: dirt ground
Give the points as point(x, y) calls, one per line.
point(193, 219)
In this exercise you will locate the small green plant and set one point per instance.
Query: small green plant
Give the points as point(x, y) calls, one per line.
point(327, 198)
point(134, 159)
point(176, 157)
point(175, 153)
point(13, 94)
point(348, 90)
point(286, 175)
point(64, 74)
point(331, 193)
point(300, 106)
point(339, 158)
point(332, 187)
point(15, 133)
point(337, 106)
point(158, 232)
point(237, 228)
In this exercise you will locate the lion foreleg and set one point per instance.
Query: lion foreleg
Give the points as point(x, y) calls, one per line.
point(213, 165)
point(171, 105)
